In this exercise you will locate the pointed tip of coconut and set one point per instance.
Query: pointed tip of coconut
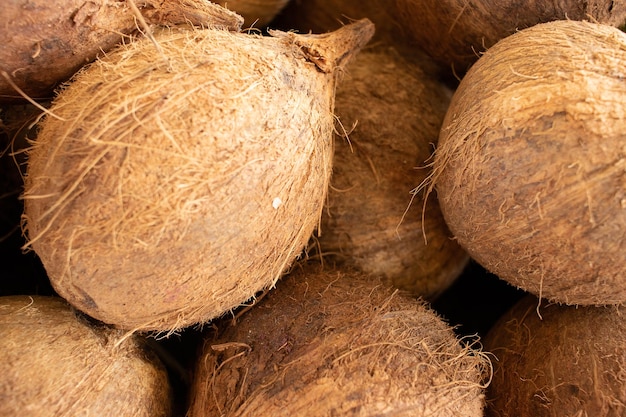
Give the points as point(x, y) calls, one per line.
point(331, 50)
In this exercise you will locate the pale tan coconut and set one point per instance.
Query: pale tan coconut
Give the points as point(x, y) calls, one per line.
point(256, 13)
point(338, 343)
point(558, 361)
point(172, 184)
point(55, 363)
point(531, 162)
point(390, 107)
point(46, 41)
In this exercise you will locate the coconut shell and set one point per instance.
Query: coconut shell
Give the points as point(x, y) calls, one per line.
point(336, 342)
point(371, 219)
point(530, 169)
point(169, 186)
point(456, 32)
point(558, 361)
point(47, 41)
point(55, 363)
point(256, 13)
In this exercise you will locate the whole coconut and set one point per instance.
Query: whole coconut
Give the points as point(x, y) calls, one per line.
point(392, 108)
point(530, 169)
point(46, 41)
point(337, 342)
point(172, 184)
point(257, 13)
point(564, 362)
point(456, 32)
point(55, 363)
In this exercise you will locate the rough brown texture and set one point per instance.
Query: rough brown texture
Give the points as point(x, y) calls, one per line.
point(530, 170)
point(54, 363)
point(320, 16)
point(44, 42)
point(567, 362)
point(457, 32)
point(337, 342)
point(256, 13)
point(181, 181)
point(391, 109)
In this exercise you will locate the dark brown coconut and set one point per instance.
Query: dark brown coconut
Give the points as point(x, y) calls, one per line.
point(171, 185)
point(567, 362)
point(456, 32)
point(336, 342)
point(530, 169)
point(46, 41)
point(391, 108)
point(256, 13)
point(54, 363)
point(319, 16)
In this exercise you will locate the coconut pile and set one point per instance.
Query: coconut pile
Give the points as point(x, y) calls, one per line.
point(313, 208)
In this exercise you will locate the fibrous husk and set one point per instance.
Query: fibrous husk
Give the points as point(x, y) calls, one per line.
point(55, 363)
point(530, 169)
point(170, 185)
point(319, 16)
point(256, 13)
point(456, 32)
point(558, 361)
point(47, 41)
point(337, 342)
point(391, 108)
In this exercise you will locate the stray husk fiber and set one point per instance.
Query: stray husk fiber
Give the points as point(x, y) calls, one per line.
point(172, 186)
point(54, 362)
point(331, 342)
point(531, 162)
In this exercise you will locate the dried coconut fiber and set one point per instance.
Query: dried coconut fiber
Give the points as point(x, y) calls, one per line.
point(336, 342)
point(256, 13)
point(170, 184)
point(530, 168)
point(54, 362)
point(371, 220)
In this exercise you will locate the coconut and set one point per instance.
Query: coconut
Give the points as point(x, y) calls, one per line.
point(54, 362)
point(564, 361)
point(391, 108)
point(256, 13)
point(46, 41)
point(318, 16)
point(330, 342)
point(170, 185)
point(530, 169)
point(456, 32)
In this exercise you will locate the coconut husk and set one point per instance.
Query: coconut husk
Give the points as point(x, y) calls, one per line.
point(55, 363)
point(529, 170)
point(455, 33)
point(555, 360)
point(256, 13)
point(170, 185)
point(337, 342)
point(49, 40)
point(371, 218)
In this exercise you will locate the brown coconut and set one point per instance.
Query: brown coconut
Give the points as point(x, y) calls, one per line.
point(256, 13)
point(558, 361)
point(46, 41)
point(336, 342)
point(456, 32)
point(55, 363)
point(319, 16)
point(391, 109)
point(172, 184)
point(530, 169)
